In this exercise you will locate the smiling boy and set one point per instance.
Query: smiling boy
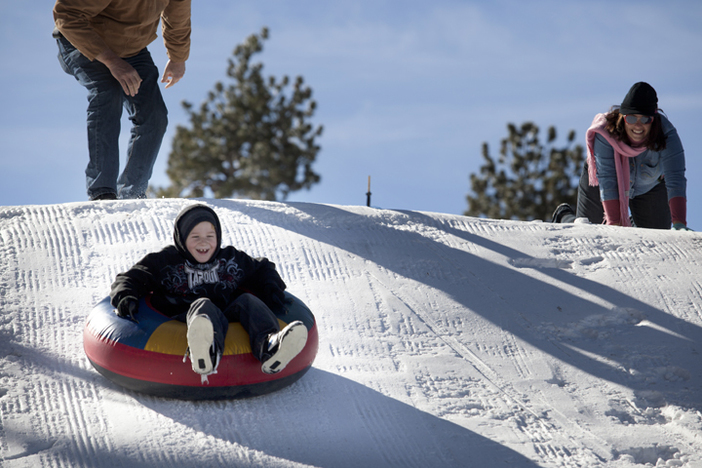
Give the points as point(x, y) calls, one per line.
point(206, 286)
point(202, 242)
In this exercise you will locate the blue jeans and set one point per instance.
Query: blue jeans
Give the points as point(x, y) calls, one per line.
point(147, 112)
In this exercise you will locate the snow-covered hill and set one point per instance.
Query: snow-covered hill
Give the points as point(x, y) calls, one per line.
point(445, 341)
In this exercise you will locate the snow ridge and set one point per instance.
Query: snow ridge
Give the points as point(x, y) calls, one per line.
point(444, 341)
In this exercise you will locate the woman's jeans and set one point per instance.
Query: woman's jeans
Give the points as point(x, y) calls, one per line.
point(648, 210)
point(147, 112)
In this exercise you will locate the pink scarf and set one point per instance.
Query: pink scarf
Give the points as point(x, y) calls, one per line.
point(621, 151)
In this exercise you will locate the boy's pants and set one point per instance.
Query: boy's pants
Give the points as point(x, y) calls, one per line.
point(255, 316)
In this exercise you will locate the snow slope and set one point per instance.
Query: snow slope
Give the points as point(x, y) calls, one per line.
point(445, 341)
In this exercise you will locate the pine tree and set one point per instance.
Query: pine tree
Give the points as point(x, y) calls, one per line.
point(529, 180)
point(250, 139)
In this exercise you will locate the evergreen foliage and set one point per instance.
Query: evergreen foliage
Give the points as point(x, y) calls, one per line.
point(250, 139)
point(529, 179)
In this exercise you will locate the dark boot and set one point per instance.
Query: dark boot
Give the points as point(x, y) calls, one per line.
point(563, 214)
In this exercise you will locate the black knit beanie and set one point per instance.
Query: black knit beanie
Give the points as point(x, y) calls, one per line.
point(641, 99)
point(187, 219)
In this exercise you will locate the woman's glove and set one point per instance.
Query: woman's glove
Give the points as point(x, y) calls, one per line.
point(680, 227)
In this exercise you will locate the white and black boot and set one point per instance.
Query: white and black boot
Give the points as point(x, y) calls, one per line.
point(200, 344)
point(283, 347)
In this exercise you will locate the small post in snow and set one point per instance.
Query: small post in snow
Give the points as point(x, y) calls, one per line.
point(368, 193)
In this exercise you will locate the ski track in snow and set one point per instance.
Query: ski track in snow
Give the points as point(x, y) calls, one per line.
point(444, 341)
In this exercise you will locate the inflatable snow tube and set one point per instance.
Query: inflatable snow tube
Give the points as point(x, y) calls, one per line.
point(147, 356)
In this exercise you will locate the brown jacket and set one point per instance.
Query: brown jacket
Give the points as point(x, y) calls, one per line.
point(125, 26)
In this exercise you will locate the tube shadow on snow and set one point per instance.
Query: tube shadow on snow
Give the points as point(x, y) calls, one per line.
point(331, 421)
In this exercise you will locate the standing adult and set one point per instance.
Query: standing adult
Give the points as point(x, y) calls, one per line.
point(102, 43)
point(635, 162)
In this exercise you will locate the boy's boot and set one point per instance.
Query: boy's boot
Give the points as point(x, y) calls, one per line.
point(200, 343)
point(283, 346)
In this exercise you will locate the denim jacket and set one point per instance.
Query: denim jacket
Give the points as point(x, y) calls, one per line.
point(646, 169)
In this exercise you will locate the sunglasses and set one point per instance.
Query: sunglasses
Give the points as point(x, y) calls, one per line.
point(644, 119)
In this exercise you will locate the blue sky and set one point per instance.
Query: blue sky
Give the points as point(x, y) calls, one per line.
point(407, 91)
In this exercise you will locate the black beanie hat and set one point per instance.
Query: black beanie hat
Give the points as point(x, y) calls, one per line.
point(187, 219)
point(641, 99)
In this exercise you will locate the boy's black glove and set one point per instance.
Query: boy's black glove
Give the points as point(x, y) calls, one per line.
point(128, 307)
point(275, 298)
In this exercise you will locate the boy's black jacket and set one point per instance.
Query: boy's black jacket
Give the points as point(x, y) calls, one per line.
point(176, 282)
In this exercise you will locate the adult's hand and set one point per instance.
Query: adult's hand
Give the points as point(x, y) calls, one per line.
point(173, 72)
point(127, 76)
